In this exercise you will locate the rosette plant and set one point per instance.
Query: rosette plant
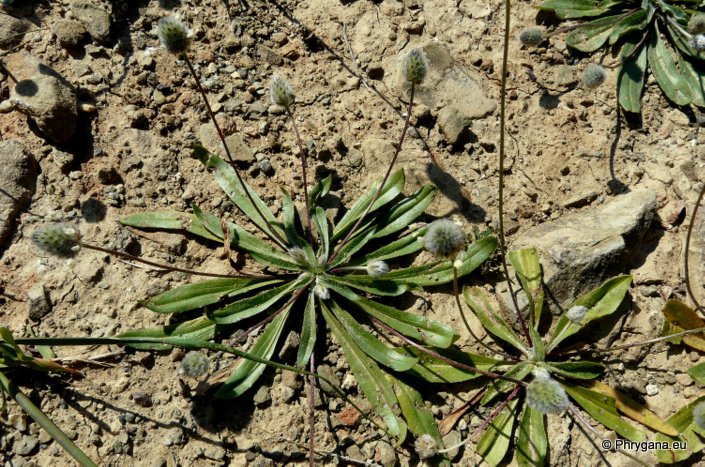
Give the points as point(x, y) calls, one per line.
point(547, 375)
point(665, 37)
point(313, 270)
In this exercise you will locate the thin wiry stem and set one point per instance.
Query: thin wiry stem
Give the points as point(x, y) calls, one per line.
point(687, 250)
point(447, 360)
point(311, 412)
point(499, 409)
point(273, 235)
point(352, 231)
point(166, 267)
point(502, 131)
point(302, 156)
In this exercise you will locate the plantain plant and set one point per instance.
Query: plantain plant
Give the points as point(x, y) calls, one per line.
point(546, 375)
point(664, 37)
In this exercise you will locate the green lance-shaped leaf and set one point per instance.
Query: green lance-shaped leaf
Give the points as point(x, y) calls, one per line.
point(577, 370)
point(197, 295)
point(690, 435)
point(406, 245)
point(528, 269)
point(391, 189)
point(290, 221)
point(205, 225)
point(405, 212)
point(248, 371)
point(683, 45)
point(260, 250)
point(419, 419)
point(434, 370)
point(370, 378)
point(202, 328)
point(393, 358)
point(602, 408)
point(225, 175)
point(634, 21)
point(308, 331)
point(417, 327)
point(632, 74)
point(568, 9)
point(250, 306)
point(353, 245)
point(491, 320)
point(319, 190)
point(494, 443)
point(43, 421)
point(321, 222)
point(438, 274)
point(695, 80)
point(602, 301)
point(374, 285)
point(532, 442)
point(593, 35)
point(697, 372)
point(664, 66)
point(168, 220)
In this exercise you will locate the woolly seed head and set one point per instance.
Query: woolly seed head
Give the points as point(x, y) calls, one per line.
point(377, 268)
point(444, 238)
point(699, 415)
point(576, 313)
point(173, 35)
point(321, 290)
point(531, 37)
point(698, 42)
point(593, 76)
point(546, 395)
point(298, 255)
point(425, 446)
point(415, 66)
point(62, 239)
point(696, 24)
point(280, 91)
point(194, 365)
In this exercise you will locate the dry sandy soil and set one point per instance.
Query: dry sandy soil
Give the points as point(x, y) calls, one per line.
point(566, 153)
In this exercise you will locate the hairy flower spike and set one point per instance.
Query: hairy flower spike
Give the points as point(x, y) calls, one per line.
point(699, 415)
point(321, 290)
point(425, 446)
point(444, 238)
point(62, 240)
point(415, 66)
point(377, 268)
point(298, 255)
point(173, 35)
point(698, 42)
point(593, 76)
point(696, 24)
point(194, 365)
point(546, 395)
point(576, 313)
point(531, 37)
point(280, 91)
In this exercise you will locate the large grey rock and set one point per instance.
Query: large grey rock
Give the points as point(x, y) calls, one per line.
point(95, 20)
point(16, 183)
point(38, 304)
point(43, 95)
point(11, 30)
point(581, 250)
point(453, 124)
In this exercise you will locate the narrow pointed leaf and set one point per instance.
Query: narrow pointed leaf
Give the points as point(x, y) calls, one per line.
point(501, 386)
point(406, 245)
point(633, 409)
point(248, 371)
point(321, 222)
point(260, 250)
point(205, 225)
point(319, 190)
point(690, 435)
point(308, 332)
point(371, 345)
point(602, 301)
point(250, 306)
point(528, 268)
point(374, 285)
point(697, 372)
point(567, 9)
point(370, 378)
point(290, 221)
point(578, 370)
point(353, 245)
point(419, 419)
point(434, 370)
point(532, 442)
point(201, 328)
point(664, 67)
point(632, 75)
point(635, 21)
point(681, 317)
point(494, 443)
point(197, 295)
point(491, 321)
point(169, 220)
point(391, 189)
point(406, 211)
point(602, 408)
point(593, 35)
